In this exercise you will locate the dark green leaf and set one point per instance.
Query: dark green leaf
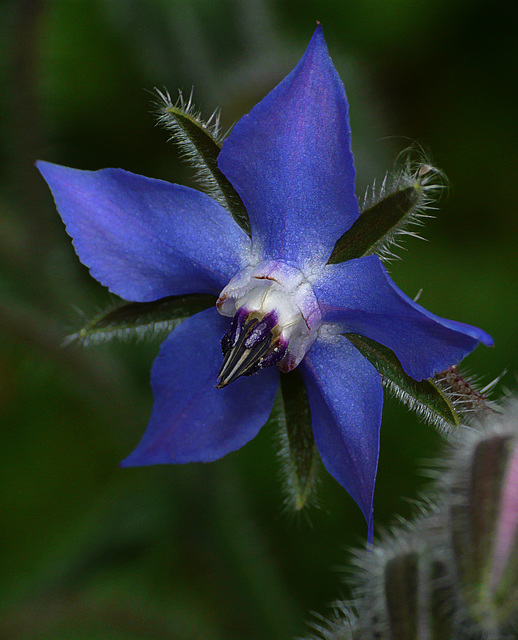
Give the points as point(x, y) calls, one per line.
point(424, 396)
point(141, 318)
point(300, 453)
point(375, 224)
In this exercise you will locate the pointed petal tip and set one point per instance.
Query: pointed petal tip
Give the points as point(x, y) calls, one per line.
point(317, 39)
point(367, 509)
point(123, 464)
point(140, 459)
point(43, 167)
point(370, 531)
point(486, 339)
point(58, 176)
point(129, 462)
point(47, 168)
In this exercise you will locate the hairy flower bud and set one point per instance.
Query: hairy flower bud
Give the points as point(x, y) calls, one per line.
point(483, 519)
point(451, 574)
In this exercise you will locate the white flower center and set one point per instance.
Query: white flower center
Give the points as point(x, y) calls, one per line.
point(279, 302)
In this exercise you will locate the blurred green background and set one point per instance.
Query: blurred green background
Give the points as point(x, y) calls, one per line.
point(88, 550)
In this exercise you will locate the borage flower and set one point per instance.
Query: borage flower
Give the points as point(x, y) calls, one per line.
point(282, 303)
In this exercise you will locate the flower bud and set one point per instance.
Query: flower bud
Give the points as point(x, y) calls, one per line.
point(403, 590)
point(483, 516)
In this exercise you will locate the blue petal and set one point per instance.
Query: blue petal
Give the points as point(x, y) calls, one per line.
point(361, 298)
point(291, 162)
point(192, 421)
point(346, 400)
point(146, 239)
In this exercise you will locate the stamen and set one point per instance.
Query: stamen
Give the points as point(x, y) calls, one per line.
point(230, 339)
point(249, 345)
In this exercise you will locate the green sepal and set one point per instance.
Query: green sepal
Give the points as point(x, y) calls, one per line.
point(143, 318)
point(423, 396)
point(201, 145)
point(375, 224)
point(300, 453)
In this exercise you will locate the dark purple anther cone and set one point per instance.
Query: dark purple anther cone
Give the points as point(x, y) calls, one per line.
point(261, 330)
point(230, 339)
point(249, 345)
point(275, 355)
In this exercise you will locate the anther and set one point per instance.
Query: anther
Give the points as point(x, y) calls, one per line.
point(249, 345)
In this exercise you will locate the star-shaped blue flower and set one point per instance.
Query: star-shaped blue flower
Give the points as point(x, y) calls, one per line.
point(280, 304)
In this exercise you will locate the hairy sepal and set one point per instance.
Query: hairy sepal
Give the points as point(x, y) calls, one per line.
point(451, 573)
point(142, 319)
point(200, 143)
point(425, 397)
point(402, 200)
point(298, 451)
point(469, 399)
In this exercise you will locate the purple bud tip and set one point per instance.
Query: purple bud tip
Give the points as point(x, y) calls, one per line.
point(507, 526)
